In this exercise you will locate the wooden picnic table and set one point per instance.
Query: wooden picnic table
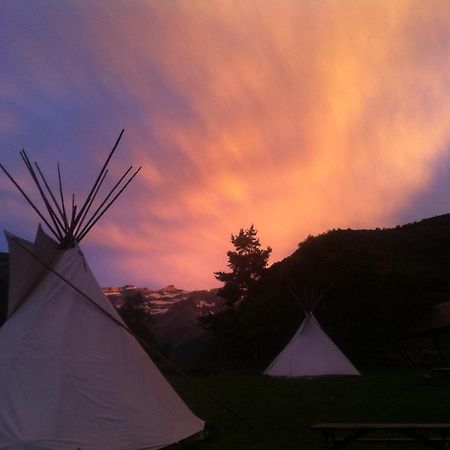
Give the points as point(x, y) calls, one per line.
point(339, 435)
point(441, 371)
point(438, 375)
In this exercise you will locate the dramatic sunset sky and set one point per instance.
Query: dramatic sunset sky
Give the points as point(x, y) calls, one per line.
point(295, 115)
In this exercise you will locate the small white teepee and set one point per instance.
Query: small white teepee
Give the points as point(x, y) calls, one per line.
point(310, 353)
point(71, 375)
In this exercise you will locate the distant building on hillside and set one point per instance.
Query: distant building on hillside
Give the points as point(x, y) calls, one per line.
point(109, 290)
point(128, 288)
point(435, 320)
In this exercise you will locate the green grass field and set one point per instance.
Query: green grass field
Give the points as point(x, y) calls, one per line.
point(281, 411)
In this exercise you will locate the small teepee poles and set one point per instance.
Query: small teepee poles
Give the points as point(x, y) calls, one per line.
point(58, 226)
point(99, 178)
point(25, 196)
point(98, 214)
point(61, 196)
point(70, 227)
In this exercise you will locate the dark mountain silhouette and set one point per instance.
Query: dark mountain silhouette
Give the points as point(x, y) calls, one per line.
point(375, 285)
point(178, 334)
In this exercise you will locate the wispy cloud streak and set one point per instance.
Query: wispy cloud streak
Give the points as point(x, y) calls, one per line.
point(295, 116)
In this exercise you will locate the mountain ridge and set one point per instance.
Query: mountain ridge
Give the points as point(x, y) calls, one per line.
point(376, 284)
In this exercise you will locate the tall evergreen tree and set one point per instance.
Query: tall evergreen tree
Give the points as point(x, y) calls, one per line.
point(247, 264)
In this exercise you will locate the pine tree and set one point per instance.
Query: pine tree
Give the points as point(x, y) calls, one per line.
point(247, 263)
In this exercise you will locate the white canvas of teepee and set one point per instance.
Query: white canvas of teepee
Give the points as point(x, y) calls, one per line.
point(310, 353)
point(71, 375)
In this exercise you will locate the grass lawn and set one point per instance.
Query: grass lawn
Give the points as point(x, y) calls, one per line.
point(281, 410)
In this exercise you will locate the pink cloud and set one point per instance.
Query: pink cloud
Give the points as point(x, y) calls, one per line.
point(295, 116)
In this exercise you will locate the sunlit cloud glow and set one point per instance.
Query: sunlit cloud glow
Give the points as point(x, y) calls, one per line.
point(295, 116)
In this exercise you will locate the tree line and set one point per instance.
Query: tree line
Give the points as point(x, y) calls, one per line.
point(374, 285)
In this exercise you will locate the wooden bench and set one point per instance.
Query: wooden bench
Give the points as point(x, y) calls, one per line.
point(438, 375)
point(339, 435)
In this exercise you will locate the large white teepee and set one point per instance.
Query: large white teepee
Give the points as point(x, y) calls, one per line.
point(310, 353)
point(70, 377)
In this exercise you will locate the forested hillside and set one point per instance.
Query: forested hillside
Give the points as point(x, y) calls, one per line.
point(375, 285)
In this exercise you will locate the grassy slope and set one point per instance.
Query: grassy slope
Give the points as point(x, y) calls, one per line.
point(282, 410)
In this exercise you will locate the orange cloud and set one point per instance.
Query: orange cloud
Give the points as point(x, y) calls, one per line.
point(295, 116)
point(306, 116)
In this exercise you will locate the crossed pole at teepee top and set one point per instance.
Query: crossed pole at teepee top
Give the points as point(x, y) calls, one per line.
point(70, 227)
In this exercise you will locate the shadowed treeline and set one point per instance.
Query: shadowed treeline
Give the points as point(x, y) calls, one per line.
point(376, 285)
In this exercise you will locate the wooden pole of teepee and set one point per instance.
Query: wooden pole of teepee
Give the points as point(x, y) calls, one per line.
point(88, 198)
point(81, 230)
point(61, 194)
point(56, 222)
point(30, 202)
point(94, 221)
point(52, 196)
point(83, 217)
point(299, 301)
point(69, 236)
point(70, 227)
